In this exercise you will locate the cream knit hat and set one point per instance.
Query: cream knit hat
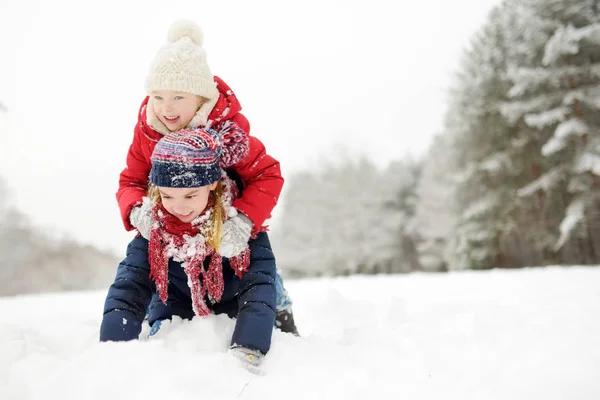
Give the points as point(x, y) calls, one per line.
point(181, 66)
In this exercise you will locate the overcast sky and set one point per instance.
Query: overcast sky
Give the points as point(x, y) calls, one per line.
point(310, 75)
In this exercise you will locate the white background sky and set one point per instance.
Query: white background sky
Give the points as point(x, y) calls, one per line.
point(523, 334)
point(309, 74)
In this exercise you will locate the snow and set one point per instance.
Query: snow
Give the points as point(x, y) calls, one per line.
point(512, 334)
point(546, 118)
point(493, 163)
point(573, 126)
point(564, 41)
point(575, 215)
point(545, 182)
point(512, 111)
point(479, 207)
point(554, 145)
point(587, 162)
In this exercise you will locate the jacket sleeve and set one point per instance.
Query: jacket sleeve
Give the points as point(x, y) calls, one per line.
point(241, 121)
point(128, 296)
point(257, 298)
point(261, 176)
point(133, 181)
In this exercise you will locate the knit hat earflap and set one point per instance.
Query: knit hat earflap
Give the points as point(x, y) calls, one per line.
point(188, 158)
point(181, 66)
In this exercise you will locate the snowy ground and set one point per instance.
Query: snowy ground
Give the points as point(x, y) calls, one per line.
point(524, 334)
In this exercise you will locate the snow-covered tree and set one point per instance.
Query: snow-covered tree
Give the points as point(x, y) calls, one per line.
point(33, 262)
point(488, 162)
point(435, 214)
point(524, 116)
point(342, 219)
point(401, 178)
point(555, 98)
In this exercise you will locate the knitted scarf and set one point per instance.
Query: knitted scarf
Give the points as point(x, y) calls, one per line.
point(186, 243)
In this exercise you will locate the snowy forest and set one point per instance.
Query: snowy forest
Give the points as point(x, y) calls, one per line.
point(36, 260)
point(511, 180)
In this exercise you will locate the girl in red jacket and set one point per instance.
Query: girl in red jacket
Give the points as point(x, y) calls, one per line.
point(183, 93)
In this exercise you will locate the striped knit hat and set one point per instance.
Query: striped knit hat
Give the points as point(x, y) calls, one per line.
point(188, 158)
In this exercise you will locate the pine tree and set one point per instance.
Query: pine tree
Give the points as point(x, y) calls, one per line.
point(400, 199)
point(488, 176)
point(554, 99)
point(435, 215)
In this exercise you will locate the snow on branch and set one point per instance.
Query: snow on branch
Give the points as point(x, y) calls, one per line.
point(544, 182)
point(588, 95)
point(495, 162)
point(570, 127)
point(514, 110)
point(479, 207)
point(577, 95)
point(570, 221)
point(564, 41)
point(554, 145)
point(591, 33)
point(573, 126)
point(530, 79)
point(547, 118)
point(588, 162)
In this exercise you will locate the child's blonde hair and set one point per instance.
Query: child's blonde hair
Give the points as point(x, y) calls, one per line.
point(217, 217)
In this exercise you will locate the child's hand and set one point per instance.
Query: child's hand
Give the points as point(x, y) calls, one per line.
point(250, 359)
point(141, 217)
point(236, 233)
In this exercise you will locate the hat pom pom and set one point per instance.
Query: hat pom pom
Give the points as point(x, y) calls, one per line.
point(235, 142)
point(185, 28)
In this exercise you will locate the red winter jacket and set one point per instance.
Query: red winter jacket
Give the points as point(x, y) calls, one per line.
point(259, 172)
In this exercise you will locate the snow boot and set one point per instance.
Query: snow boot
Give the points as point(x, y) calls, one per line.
point(284, 320)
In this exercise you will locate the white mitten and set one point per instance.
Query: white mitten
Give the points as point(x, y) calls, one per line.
point(141, 217)
point(250, 359)
point(236, 233)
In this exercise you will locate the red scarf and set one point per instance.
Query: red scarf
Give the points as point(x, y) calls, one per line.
point(185, 243)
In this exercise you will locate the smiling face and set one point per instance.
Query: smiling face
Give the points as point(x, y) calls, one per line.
point(175, 109)
point(185, 203)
